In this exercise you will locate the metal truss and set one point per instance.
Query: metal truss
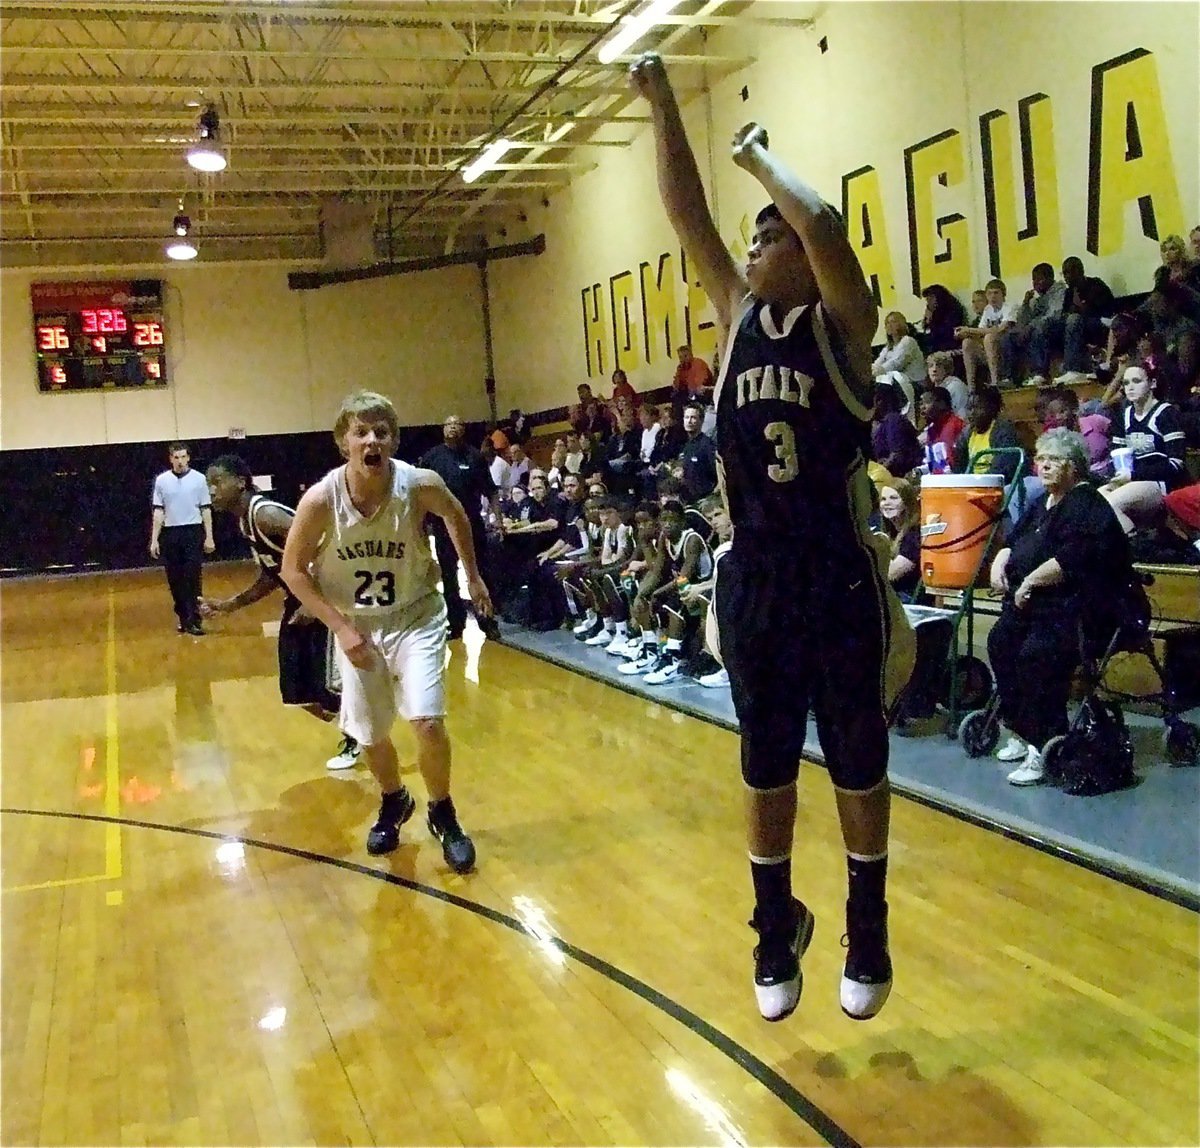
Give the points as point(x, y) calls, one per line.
point(362, 101)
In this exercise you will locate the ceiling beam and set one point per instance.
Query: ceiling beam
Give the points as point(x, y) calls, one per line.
point(417, 56)
point(189, 85)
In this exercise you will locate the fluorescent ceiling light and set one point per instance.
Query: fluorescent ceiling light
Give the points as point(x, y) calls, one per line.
point(181, 250)
point(633, 28)
point(205, 158)
point(485, 160)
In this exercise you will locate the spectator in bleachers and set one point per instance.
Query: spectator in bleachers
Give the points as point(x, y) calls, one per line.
point(572, 496)
point(943, 315)
point(698, 595)
point(651, 430)
point(621, 455)
point(979, 303)
point(578, 453)
point(1183, 512)
point(987, 428)
point(498, 438)
point(558, 465)
point(519, 465)
point(599, 581)
point(671, 437)
point(942, 425)
point(1178, 263)
point(1063, 566)
point(692, 377)
point(509, 502)
point(575, 415)
point(940, 369)
point(893, 438)
point(594, 423)
point(981, 343)
point(1153, 431)
point(1038, 330)
point(901, 360)
point(682, 557)
point(900, 511)
point(1174, 310)
point(1062, 410)
point(1089, 302)
point(699, 456)
point(516, 426)
point(498, 467)
point(623, 389)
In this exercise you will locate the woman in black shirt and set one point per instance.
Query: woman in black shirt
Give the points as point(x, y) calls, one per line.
point(1065, 565)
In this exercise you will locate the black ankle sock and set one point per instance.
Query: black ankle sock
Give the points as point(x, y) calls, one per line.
point(868, 881)
point(772, 893)
point(441, 810)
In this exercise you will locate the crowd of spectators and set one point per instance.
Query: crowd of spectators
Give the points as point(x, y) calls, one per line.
point(619, 536)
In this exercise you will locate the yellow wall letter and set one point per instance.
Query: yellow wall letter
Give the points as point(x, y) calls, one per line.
point(1130, 154)
point(658, 308)
point(940, 246)
point(862, 209)
point(626, 343)
point(593, 330)
point(1013, 250)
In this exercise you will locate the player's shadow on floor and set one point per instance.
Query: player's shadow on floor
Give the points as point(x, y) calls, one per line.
point(900, 1103)
point(323, 815)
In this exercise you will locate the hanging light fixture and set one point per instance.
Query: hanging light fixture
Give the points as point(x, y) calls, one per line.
point(485, 160)
point(205, 155)
point(180, 247)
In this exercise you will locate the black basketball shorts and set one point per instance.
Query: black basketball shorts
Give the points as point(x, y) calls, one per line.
point(307, 666)
point(801, 631)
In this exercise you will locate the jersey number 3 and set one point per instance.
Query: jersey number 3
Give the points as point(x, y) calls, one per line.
point(781, 435)
point(375, 588)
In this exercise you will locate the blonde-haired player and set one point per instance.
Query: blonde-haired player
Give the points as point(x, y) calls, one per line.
point(358, 559)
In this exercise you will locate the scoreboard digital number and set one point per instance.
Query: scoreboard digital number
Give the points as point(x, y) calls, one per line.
point(99, 335)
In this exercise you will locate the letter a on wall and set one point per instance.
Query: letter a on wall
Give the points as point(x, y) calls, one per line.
point(862, 209)
point(1130, 154)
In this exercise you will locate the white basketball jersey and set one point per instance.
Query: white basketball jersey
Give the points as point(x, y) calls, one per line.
point(378, 565)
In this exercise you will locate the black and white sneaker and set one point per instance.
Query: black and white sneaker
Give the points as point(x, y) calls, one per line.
point(394, 810)
point(346, 756)
point(586, 635)
point(777, 976)
point(867, 976)
point(457, 848)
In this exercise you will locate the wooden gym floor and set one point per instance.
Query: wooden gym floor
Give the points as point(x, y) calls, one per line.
point(198, 950)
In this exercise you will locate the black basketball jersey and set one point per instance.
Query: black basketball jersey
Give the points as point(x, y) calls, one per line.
point(267, 552)
point(793, 434)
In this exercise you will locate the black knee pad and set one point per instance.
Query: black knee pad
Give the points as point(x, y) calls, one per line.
point(859, 771)
point(766, 764)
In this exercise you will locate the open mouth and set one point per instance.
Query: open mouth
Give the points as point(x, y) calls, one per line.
point(373, 458)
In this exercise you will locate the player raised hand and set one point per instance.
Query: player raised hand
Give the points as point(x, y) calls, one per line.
point(648, 76)
point(745, 140)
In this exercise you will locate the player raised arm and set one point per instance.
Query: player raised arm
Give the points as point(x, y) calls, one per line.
point(839, 277)
point(683, 193)
point(274, 522)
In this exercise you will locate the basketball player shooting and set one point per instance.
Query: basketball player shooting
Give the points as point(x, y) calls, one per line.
point(804, 612)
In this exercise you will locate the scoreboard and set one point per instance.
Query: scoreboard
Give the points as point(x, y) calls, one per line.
point(99, 335)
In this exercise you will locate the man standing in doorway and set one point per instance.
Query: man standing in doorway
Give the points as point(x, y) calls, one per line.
point(462, 468)
point(182, 533)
